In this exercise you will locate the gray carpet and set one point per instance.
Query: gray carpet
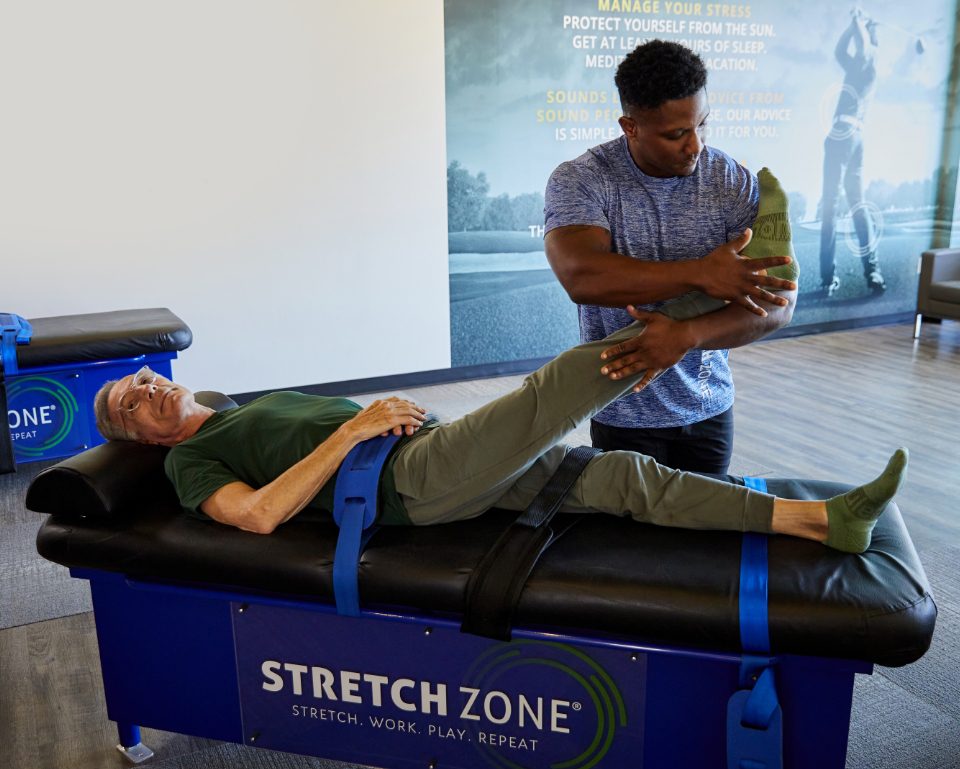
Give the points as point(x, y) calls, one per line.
point(909, 717)
point(903, 718)
point(229, 756)
point(31, 588)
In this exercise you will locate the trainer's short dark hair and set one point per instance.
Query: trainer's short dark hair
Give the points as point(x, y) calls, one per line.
point(659, 71)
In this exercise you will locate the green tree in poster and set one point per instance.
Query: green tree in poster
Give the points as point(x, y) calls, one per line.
point(498, 215)
point(466, 198)
point(527, 209)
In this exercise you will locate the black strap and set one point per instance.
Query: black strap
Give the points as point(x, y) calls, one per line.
point(8, 463)
point(494, 589)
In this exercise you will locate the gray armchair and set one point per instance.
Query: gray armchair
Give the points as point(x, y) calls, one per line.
point(939, 292)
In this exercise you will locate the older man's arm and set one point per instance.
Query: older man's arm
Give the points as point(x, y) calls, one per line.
point(262, 510)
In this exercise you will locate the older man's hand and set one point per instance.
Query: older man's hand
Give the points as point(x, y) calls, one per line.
point(390, 415)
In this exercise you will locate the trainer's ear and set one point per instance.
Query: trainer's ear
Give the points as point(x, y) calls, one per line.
point(628, 125)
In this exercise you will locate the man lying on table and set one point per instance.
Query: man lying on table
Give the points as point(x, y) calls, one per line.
point(259, 465)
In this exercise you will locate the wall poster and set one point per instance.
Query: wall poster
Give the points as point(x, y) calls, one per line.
point(529, 85)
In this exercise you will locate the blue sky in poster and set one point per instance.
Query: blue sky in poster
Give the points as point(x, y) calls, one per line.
point(505, 59)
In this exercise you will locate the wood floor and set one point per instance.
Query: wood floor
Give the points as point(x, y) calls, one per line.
point(834, 406)
point(831, 406)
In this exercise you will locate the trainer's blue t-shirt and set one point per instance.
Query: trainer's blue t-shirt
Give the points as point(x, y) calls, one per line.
point(665, 220)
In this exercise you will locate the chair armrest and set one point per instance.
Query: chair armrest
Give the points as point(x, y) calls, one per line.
point(940, 264)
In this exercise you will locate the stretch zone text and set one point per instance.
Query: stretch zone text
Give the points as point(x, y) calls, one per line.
point(411, 696)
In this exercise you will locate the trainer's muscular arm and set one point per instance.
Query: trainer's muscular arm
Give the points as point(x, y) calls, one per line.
point(262, 510)
point(664, 341)
point(591, 273)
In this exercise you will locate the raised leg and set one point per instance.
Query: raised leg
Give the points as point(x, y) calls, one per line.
point(459, 470)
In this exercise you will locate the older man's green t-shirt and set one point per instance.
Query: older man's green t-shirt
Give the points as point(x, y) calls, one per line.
point(259, 441)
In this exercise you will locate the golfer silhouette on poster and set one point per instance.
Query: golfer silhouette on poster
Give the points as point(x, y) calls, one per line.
point(843, 155)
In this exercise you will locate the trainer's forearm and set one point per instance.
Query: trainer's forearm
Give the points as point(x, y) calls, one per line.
point(615, 280)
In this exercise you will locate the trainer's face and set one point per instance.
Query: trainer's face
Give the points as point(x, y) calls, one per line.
point(150, 404)
point(667, 140)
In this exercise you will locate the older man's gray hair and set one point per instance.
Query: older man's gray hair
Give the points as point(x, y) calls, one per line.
point(110, 427)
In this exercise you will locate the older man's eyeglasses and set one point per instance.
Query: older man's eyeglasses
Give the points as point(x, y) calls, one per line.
point(130, 400)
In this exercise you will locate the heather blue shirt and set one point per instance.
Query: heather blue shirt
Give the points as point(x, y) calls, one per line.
point(664, 220)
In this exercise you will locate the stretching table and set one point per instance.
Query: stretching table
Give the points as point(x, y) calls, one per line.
point(627, 647)
point(50, 369)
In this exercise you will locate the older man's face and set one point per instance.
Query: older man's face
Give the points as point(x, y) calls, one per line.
point(150, 404)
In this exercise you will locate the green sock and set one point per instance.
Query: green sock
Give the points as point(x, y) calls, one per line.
point(771, 229)
point(852, 516)
point(771, 237)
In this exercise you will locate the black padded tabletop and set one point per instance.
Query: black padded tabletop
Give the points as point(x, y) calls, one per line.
point(103, 336)
point(607, 577)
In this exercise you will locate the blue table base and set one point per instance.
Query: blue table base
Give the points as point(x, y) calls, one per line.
point(392, 690)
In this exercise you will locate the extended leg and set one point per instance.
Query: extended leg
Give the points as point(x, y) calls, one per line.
point(626, 483)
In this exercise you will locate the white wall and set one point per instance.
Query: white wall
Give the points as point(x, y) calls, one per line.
point(274, 172)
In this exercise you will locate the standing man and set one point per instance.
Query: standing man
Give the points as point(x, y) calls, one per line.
point(843, 154)
point(649, 217)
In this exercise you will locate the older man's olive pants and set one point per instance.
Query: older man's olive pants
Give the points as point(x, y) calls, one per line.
point(502, 454)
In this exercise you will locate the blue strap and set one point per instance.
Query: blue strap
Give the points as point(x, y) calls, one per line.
point(25, 334)
point(754, 718)
point(754, 626)
point(355, 510)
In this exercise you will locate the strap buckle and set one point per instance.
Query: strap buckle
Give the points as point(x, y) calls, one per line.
point(755, 727)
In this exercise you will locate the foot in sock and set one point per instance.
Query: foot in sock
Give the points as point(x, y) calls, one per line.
point(771, 229)
point(771, 237)
point(852, 516)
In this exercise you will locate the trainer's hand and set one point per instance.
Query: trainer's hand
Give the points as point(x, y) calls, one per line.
point(726, 275)
point(661, 344)
point(390, 415)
